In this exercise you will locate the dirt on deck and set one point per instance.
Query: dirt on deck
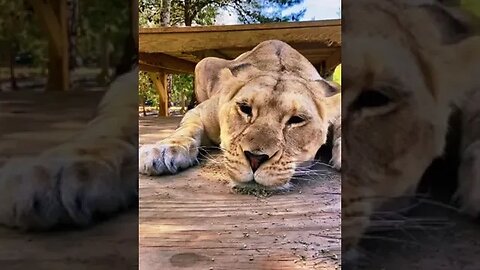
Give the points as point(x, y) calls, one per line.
point(31, 122)
point(194, 220)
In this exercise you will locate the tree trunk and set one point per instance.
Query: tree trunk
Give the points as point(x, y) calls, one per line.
point(165, 13)
point(13, 80)
point(190, 101)
point(165, 21)
point(72, 6)
point(104, 75)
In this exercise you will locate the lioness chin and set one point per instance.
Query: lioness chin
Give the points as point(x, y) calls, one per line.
point(268, 109)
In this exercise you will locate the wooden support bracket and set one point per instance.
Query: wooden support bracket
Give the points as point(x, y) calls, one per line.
point(160, 81)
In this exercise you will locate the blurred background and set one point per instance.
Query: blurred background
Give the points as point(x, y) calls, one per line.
point(58, 45)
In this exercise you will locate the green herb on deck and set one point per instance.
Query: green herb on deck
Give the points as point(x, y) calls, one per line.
point(255, 190)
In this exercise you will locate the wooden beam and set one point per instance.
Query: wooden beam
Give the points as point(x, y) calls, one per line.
point(160, 81)
point(53, 15)
point(150, 68)
point(213, 53)
point(166, 62)
point(50, 22)
point(171, 40)
point(333, 60)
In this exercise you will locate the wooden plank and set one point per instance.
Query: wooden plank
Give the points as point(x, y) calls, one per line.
point(164, 61)
point(193, 221)
point(243, 27)
point(58, 70)
point(160, 81)
point(333, 60)
point(214, 38)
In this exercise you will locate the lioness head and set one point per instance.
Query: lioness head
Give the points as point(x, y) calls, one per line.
point(274, 111)
point(398, 84)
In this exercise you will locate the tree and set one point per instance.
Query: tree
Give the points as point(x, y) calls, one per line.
point(102, 28)
point(13, 16)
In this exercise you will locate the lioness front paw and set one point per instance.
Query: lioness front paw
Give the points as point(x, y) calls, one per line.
point(336, 160)
point(67, 187)
point(167, 157)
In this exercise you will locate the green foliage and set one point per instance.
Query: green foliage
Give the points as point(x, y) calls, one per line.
point(146, 90)
point(182, 87)
point(264, 11)
point(19, 33)
point(21, 30)
point(102, 21)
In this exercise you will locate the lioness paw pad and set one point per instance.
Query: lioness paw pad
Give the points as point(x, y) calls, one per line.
point(166, 158)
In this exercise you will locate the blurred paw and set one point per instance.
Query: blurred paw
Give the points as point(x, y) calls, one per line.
point(167, 157)
point(69, 186)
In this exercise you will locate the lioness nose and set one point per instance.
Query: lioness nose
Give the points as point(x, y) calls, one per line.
point(255, 160)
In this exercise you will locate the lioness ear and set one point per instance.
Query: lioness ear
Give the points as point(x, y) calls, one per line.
point(326, 88)
point(327, 96)
point(207, 77)
point(332, 107)
point(229, 85)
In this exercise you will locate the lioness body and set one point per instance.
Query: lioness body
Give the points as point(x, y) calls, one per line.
point(268, 109)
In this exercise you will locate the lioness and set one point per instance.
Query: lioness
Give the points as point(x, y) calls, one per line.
point(268, 109)
point(403, 70)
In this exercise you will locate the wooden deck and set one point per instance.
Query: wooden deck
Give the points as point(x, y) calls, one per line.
point(29, 123)
point(194, 221)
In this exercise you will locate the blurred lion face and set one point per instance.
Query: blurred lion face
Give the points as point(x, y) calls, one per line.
point(396, 98)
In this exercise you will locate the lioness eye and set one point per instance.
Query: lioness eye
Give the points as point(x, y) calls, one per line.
point(371, 98)
point(295, 120)
point(246, 109)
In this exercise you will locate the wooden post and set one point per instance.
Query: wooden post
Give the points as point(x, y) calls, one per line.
point(160, 81)
point(53, 16)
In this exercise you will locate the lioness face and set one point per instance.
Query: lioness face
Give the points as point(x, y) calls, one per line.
point(271, 125)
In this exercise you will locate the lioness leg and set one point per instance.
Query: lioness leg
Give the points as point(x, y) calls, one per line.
point(176, 152)
point(94, 173)
point(179, 151)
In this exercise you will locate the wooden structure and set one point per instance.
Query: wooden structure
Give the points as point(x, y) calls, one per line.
point(53, 18)
point(178, 49)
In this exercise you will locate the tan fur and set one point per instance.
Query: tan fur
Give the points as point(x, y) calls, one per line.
point(278, 83)
point(404, 52)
